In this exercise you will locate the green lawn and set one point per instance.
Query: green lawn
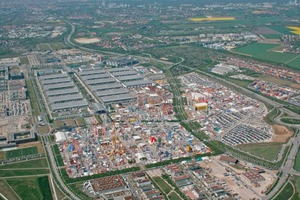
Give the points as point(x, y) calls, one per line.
point(295, 180)
point(290, 121)
point(174, 196)
point(272, 36)
point(21, 152)
point(22, 172)
point(26, 188)
point(268, 151)
point(6, 191)
point(282, 29)
point(264, 52)
point(57, 154)
point(58, 124)
point(44, 186)
point(33, 103)
point(40, 163)
point(163, 185)
point(297, 161)
point(286, 193)
point(2, 155)
point(24, 60)
point(80, 121)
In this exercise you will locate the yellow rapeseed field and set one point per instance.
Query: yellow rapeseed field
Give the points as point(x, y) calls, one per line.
point(294, 29)
point(199, 19)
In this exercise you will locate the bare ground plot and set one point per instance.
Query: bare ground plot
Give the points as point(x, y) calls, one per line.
point(87, 40)
point(264, 31)
point(266, 150)
point(281, 133)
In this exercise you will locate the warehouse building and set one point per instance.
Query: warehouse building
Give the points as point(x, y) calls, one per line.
point(64, 98)
point(123, 73)
point(69, 105)
point(61, 94)
point(92, 72)
point(121, 62)
point(112, 92)
point(130, 78)
point(107, 184)
point(100, 81)
point(95, 76)
point(116, 98)
point(106, 86)
point(138, 83)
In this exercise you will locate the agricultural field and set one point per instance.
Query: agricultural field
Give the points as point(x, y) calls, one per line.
point(294, 29)
point(7, 191)
point(266, 52)
point(39, 163)
point(22, 152)
point(268, 151)
point(30, 188)
point(281, 29)
point(22, 172)
point(44, 186)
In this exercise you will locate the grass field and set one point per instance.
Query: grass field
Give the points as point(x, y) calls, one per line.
point(44, 47)
point(163, 185)
point(286, 193)
point(21, 152)
point(295, 180)
point(2, 155)
point(281, 29)
point(70, 123)
point(297, 161)
point(40, 163)
point(22, 172)
point(33, 103)
point(264, 52)
point(290, 121)
point(44, 186)
point(267, 151)
point(24, 60)
point(174, 196)
point(26, 188)
point(272, 36)
point(43, 129)
point(58, 124)
point(80, 121)
point(6, 191)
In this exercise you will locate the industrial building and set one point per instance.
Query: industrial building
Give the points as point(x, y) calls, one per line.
point(21, 137)
point(121, 62)
point(200, 106)
point(107, 184)
point(61, 94)
point(112, 85)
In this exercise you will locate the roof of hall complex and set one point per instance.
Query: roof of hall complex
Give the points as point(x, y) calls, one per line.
point(61, 93)
point(111, 85)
